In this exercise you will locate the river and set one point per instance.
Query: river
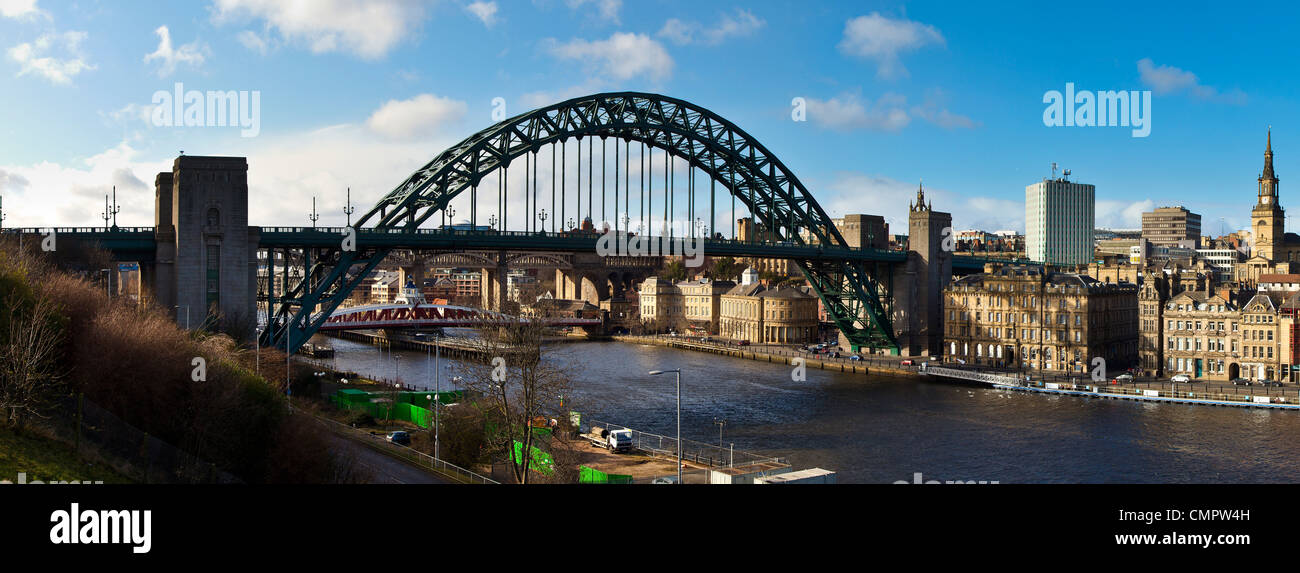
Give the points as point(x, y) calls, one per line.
point(882, 430)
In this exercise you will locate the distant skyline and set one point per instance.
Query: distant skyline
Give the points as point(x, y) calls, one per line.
point(360, 94)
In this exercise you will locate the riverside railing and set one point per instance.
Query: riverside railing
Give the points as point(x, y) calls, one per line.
point(700, 453)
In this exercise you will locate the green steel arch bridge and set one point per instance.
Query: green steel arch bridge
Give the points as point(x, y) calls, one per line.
point(740, 175)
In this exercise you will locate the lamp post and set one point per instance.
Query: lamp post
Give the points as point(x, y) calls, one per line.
point(257, 360)
point(492, 221)
point(720, 424)
point(678, 372)
point(542, 216)
point(348, 209)
point(437, 392)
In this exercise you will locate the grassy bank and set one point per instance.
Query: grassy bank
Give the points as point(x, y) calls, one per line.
point(47, 460)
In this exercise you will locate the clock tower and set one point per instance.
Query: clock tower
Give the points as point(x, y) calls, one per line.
point(1268, 221)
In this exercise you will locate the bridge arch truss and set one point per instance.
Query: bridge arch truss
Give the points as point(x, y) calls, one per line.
point(852, 292)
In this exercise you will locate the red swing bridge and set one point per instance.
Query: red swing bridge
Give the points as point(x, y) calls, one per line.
point(392, 316)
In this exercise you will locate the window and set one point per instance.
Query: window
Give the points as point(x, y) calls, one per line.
point(214, 217)
point(213, 272)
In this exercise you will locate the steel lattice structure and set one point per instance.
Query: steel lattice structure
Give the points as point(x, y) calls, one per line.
point(852, 294)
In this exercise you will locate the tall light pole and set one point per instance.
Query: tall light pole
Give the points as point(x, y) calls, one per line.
point(437, 392)
point(257, 360)
point(678, 372)
point(720, 424)
point(348, 209)
point(314, 216)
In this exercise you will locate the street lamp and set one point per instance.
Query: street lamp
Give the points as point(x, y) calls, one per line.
point(542, 216)
point(437, 391)
point(257, 360)
point(720, 424)
point(678, 372)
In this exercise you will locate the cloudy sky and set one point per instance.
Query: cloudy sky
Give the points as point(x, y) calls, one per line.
point(359, 93)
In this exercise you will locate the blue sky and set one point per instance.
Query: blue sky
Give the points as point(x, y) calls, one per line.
point(360, 94)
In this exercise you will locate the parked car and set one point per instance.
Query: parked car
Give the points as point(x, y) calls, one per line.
point(907, 362)
point(855, 357)
point(743, 343)
point(1269, 383)
point(1240, 382)
point(666, 479)
point(400, 438)
point(1181, 378)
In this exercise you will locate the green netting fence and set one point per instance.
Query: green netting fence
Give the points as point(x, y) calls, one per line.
point(404, 408)
point(592, 475)
point(541, 461)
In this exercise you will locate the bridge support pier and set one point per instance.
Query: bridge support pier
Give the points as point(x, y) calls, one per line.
point(493, 285)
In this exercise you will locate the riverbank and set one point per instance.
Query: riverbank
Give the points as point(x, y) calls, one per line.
point(876, 366)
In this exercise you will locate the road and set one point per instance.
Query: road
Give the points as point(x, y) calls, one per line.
point(383, 469)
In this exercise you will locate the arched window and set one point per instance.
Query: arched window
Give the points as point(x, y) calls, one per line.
point(214, 217)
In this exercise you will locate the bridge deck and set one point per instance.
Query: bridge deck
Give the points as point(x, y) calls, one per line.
point(137, 241)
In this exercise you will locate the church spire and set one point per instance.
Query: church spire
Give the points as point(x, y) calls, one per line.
point(920, 196)
point(1268, 157)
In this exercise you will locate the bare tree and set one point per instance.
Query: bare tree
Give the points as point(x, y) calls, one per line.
point(30, 378)
point(518, 388)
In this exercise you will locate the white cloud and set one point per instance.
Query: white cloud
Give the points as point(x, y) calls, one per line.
point(623, 56)
point(849, 112)
point(366, 28)
point(253, 41)
point(169, 58)
point(1112, 214)
point(543, 98)
point(484, 11)
point(857, 192)
point(12, 181)
point(1167, 79)
point(933, 111)
point(422, 116)
point(882, 39)
point(19, 9)
point(742, 23)
point(890, 112)
point(32, 57)
point(52, 194)
point(605, 10)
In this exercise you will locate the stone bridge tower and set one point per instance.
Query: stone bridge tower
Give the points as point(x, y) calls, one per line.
point(918, 288)
point(207, 253)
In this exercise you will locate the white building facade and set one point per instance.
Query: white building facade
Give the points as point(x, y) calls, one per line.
point(1059, 216)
